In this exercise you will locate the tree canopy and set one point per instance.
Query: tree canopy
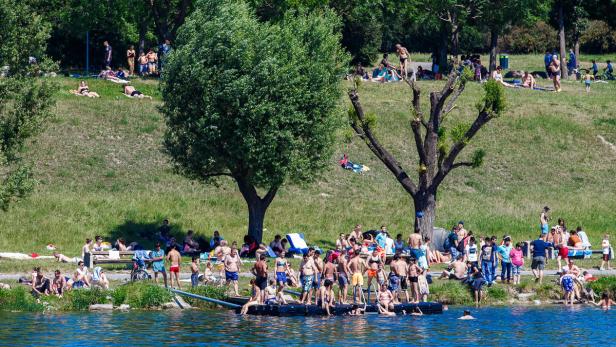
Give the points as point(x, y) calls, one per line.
point(252, 100)
point(24, 102)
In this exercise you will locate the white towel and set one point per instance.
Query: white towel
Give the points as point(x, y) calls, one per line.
point(114, 255)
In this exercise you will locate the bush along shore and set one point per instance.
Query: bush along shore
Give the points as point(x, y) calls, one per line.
point(148, 296)
point(139, 295)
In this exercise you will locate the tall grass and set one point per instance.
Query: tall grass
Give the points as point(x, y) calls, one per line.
point(102, 171)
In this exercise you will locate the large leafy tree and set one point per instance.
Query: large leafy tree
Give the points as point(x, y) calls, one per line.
point(437, 148)
point(24, 101)
point(253, 100)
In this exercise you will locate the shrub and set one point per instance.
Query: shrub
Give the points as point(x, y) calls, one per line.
point(142, 295)
point(605, 284)
point(81, 299)
point(597, 38)
point(451, 293)
point(19, 299)
point(533, 39)
point(210, 292)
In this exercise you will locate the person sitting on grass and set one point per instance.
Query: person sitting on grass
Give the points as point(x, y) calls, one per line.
point(58, 285)
point(131, 92)
point(99, 279)
point(497, 75)
point(82, 275)
point(84, 90)
point(109, 75)
point(41, 284)
point(254, 297)
point(456, 270)
point(528, 81)
point(120, 73)
point(191, 245)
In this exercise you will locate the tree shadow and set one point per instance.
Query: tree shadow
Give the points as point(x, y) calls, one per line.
point(144, 233)
point(326, 244)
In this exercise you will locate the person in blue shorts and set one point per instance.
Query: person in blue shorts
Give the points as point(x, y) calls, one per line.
point(282, 266)
point(538, 248)
point(158, 263)
point(232, 263)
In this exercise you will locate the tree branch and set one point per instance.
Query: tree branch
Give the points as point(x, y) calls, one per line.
point(363, 130)
point(448, 164)
point(460, 164)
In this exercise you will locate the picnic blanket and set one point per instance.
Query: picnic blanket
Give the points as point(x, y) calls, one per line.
point(23, 256)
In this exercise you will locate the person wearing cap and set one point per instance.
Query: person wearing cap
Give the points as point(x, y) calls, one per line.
point(543, 220)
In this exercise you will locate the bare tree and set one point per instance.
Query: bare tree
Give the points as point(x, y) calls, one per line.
point(437, 158)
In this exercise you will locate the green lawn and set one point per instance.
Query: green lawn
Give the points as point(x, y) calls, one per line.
point(101, 170)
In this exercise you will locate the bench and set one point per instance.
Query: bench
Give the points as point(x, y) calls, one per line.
point(103, 257)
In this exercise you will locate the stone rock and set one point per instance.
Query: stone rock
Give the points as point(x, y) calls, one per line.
point(181, 303)
point(525, 296)
point(4, 286)
point(123, 307)
point(101, 307)
point(171, 306)
point(537, 302)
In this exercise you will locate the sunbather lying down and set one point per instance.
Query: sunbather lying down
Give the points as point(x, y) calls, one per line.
point(84, 90)
point(131, 92)
point(109, 75)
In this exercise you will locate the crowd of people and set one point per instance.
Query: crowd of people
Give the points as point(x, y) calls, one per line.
point(150, 63)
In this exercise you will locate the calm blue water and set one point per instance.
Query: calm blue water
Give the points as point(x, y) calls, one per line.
point(583, 326)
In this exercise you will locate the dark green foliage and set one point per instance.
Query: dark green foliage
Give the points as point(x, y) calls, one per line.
point(494, 99)
point(598, 38)
point(19, 299)
point(143, 295)
point(603, 285)
point(362, 28)
point(535, 38)
point(208, 291)
point(25, 103)
point(79, 300)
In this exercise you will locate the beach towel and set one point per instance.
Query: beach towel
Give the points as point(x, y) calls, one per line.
point(270, 252)
point(346, 164)
point(114, 255)
point(584, 238)
point(96, 275)
point(424, 288)
point(297, 243)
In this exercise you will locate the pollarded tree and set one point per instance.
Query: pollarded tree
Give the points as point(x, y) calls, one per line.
point(437, 154)
point(255, 101)
point(25, 102)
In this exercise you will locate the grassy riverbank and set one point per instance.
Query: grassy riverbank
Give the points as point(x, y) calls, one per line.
point(148, 296)
point(137, 295)
point(101, 170)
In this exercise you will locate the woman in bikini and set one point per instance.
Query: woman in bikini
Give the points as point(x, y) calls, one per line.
point(84, 90)
point(130, 57)
point(282, 266)
point(403, 54)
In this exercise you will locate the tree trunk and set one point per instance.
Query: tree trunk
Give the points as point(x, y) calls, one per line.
point(142, 32)
point(493, 49)
point(425, 213)
point(561, 39)
point(455, 37)
point(256, 216)
point(576, 48)
point(257, 206)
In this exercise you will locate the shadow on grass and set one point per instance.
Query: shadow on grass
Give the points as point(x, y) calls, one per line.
point(146, 234)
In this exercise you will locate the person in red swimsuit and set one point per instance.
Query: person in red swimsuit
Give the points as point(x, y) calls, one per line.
point(174, 258)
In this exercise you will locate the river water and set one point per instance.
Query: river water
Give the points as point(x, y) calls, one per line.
point(496, 326)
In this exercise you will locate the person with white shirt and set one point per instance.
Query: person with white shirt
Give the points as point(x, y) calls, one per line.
point(605, 250)
point(471, 251)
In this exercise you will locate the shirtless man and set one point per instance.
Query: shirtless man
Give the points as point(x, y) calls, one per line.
point(457, 270)
point(403, 54)
point(232, 263)
point(307, 270)
point(356, 234)
point(175, 258)
point(58, 284)
point(573, 269)
point(343, 277)
point(329, 271)
point(462, 233)
point(319, 274)
point(357, 267)
point(385, 301)
point(260, 272)
point(414, 271)
point(415, 244)
point(152, 59)
point(399, 269)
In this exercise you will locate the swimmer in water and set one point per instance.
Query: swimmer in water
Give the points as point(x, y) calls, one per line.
point(606, 302)
point(466, 315)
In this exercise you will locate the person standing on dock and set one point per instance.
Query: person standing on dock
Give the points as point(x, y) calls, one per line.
point(232, 263)
point(260, 272)
point(307, 270)
point(343, 276)
point(282, 266)
point(357, 266)
point(398, 274)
